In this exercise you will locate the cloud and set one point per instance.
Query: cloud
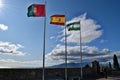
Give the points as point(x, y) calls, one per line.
point(52, 37)
point(3, 27)
point(11, 63)
point(9, 48)
point(103, 41)
point(89, 53)
point(57, 56)
point(90, 30)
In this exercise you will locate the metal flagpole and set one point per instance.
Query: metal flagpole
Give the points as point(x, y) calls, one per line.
point(43, 74)
point(65, 53)
point(81, 54)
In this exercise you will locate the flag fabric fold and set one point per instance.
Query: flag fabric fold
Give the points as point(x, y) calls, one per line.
point(36, 10)
point(57, 19)
point(73, 26)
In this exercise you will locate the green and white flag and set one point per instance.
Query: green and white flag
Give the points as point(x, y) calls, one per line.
point(73, 26)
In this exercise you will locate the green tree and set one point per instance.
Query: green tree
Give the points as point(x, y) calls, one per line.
point(115, 62)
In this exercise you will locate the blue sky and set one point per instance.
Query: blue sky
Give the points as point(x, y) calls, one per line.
point(21, 37)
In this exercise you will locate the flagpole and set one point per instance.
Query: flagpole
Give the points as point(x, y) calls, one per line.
point(65, 52)
point(81, 72)
point(43, 74)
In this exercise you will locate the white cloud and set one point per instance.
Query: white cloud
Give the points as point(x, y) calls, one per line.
point(52, 37)
point(3, 27)
point(103, 41)
point(57, 56)
point(9, 48)
point(11, 63)
point(89, 53)
point(89, 30)
point(4, 67)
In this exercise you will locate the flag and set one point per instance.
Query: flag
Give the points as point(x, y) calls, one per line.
point(73, 26)
point(57, 19)
point(36, 10)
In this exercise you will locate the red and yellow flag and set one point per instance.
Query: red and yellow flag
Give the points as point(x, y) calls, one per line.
point(57, 19)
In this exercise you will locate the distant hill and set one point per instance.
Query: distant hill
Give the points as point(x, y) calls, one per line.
point(69, 65)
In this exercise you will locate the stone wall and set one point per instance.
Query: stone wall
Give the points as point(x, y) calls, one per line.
point(32, 74)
